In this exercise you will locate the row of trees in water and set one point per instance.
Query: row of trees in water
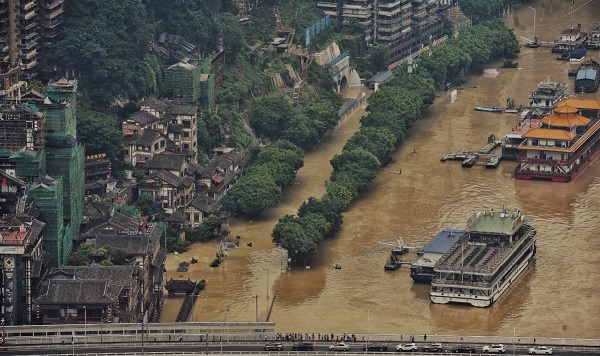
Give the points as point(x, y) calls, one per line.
point(391, 112)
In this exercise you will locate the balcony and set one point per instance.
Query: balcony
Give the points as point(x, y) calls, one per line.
point(27, 5)
point(53, 4)
point(53, 14)
point(28, 25)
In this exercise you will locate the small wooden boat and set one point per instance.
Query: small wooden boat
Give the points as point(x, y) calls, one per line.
point(490, 109)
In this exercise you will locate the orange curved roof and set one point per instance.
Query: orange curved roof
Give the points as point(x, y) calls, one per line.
point(565, 120)
point(579, 104)
point(550, 134)
point(564, 108)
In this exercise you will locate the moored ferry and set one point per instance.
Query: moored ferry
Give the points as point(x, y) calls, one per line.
point(545, 96)
point(566, 143)
point(421, 271)
point(495, 249)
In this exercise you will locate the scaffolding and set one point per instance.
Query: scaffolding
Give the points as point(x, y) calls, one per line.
point(47, 193)
point(68, 163)
point(61, 119)
point(183, 81)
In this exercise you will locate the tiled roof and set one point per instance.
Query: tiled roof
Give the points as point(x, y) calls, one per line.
point(189, 110)
point(70, 292)
point(143, 117)
point(175, 128)
point(579, 104)
point(187, 181)
point(205, 204)
point(115, 275)
point(565, 120)
point(147, 137)
point(156, 104)
point(133, 245)
point(168, 177)
point(176, 217)
point(552, 134)
point(169, 162)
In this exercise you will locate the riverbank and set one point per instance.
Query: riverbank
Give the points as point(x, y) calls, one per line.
point(552, 298)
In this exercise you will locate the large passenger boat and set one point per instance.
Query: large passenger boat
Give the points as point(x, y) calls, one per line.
point(422, 270)
point(566, 143)
point(481, 266)
point(545, 96)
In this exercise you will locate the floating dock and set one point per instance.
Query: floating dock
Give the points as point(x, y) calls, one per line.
point(469, 158)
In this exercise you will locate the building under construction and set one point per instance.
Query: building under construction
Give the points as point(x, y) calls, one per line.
point(191, 81)
point(38, 139)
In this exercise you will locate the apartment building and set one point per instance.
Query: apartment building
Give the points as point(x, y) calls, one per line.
point(405, 26)
point(27, 27)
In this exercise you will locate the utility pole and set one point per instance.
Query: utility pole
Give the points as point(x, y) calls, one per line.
point(257, 308)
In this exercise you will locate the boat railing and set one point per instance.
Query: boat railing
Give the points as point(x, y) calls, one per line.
point(439, 280)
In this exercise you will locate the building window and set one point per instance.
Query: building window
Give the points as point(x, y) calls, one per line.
point(186, 134)
point(156, 146)
point(162, 143)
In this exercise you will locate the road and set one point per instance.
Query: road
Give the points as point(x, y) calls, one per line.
point(244, 348)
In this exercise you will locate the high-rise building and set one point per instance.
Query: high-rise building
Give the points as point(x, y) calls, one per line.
point(405, 26)
point(26, 29)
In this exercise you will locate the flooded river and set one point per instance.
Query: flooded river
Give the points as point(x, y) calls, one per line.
point(555, 297)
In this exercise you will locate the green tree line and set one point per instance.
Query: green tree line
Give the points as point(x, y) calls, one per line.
point(391, 112)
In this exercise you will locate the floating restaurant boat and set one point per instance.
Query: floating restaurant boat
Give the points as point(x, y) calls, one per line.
point(545, 96)
point(588, 77)
point(491, 109)
point(482, 265)
point(570, 39)
point(422, 270)
point(513, 139)
point(565, 144)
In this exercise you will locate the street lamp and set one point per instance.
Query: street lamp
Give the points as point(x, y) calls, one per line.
point(514, 329)
point(85, 323)
point(368, 327)
point(257, 308)
point(534, 16)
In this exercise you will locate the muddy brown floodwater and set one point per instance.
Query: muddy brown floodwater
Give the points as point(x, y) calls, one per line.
point(557, 296)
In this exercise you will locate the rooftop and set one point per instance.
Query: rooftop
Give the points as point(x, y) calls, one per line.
point(490, 222)
point(442, 242)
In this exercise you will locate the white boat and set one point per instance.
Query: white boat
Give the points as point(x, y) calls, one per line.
point(481, 266)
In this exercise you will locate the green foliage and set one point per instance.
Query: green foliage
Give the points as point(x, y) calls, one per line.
point(231, 31)
point(209, 229)
point(82, 255)
point(100, 133)
point(112, 256)
point(252, 194)
point(175, 244)
point(145, 203)
point(106, 43)
point(480, 11)
point(473, 47)
point(378, 141)
point(273, 169)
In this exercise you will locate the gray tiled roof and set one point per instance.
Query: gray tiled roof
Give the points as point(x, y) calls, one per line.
point(116, 275)
point(69, 292)
point(190, 110)
point(136, 245)
point(156, 104)
point(166, 176)
point(143, 117)
point(169, 162)
point(205, 204)
point(147, 137)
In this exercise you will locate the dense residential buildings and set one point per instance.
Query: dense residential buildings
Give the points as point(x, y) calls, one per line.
point(405, 26)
